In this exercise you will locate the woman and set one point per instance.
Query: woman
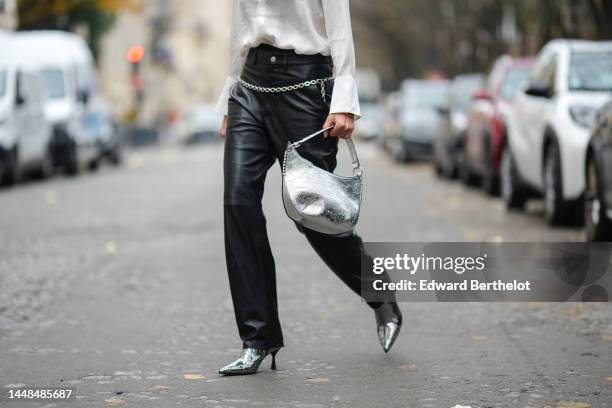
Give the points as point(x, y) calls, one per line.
point(276, 43)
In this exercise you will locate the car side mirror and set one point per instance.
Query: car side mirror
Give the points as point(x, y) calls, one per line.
point(482, 95)
point(538, 89)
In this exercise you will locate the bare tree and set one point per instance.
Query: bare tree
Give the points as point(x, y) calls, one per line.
point(411, 38)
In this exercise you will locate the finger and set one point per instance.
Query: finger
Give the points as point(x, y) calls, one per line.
point(328, 123)
point(346, 131)
point(339, 128)
point(349, 130)
point(223, 129)
point(351, 127)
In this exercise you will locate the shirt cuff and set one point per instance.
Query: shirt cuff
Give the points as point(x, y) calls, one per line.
point(221, 106)
point(345, 98)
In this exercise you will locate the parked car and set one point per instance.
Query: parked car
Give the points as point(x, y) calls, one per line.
point(24, 132)
point(598, 175)
point(391, 107)
point(487, 122)
point(201, 125)
point(371, 124)
point(99, 126)
point(448, 143)
point(549, 127)
point(65, 64)
point(418, 118)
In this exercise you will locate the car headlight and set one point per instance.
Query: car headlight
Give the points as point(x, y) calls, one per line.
point(583, 115)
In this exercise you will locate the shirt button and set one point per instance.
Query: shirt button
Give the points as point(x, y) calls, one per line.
point(273, 59)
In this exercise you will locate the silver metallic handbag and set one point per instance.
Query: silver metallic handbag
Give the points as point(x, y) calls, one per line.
point(319, 200)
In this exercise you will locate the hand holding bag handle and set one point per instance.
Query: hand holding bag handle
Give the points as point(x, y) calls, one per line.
point(357, 171)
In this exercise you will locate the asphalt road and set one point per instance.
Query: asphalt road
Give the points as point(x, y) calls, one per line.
point(114, 283)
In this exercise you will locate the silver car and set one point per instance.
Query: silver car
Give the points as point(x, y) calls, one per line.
point(418, 117)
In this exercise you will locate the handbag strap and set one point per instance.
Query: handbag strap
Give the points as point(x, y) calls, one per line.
point(357, 171)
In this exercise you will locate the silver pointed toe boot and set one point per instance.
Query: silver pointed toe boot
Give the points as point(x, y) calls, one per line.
point(249, 361)
point(388, 324)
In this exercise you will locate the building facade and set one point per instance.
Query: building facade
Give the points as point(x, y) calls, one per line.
point(186, 56)
point(8, 14)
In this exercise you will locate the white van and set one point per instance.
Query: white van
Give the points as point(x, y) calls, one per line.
point(25, 134)
point(66, 67)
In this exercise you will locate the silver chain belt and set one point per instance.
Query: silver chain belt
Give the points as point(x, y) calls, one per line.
point(277, 89)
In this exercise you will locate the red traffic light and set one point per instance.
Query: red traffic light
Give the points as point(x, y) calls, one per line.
point(135, 54)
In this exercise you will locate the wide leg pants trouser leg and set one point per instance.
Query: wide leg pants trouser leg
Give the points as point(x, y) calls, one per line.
point(259, 127)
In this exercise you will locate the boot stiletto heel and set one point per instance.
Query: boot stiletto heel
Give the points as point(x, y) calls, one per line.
point(273, 365)
point(249, 361)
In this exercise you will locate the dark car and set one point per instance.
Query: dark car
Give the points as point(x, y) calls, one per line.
point(487, 125)
point(99, 127)
point(416, 112)
point(448, 143)
point(598, 171)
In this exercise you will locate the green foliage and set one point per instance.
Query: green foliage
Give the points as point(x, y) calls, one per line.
point(67, 15)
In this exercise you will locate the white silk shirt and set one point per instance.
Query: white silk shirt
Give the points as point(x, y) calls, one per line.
point(306, 26)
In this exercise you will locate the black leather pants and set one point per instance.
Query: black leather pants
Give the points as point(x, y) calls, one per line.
point(259, 126)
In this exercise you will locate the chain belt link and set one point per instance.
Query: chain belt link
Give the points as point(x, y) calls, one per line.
point(278, 89)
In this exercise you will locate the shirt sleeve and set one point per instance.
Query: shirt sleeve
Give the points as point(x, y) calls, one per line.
point(345, 98)
point(236, 60)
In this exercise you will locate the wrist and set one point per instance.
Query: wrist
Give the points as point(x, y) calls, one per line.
point(344, 113)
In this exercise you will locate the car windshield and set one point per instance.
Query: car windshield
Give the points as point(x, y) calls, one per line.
point(513, 80)
point(2, 82)
point(591, 71)
point(54, 83)
point(426, 96)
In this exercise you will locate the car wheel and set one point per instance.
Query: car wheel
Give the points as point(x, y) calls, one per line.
point(437, 166)
point(490, 182)
point(398, 152)
point(490, 178)
point(45, 169)
point(438, 169)
point(466, 174)
point(94, 165)
point(12, 172)
point(513, 194)
point(598, 226)
point(116, 157)
point(452, 171)
point(72, 163)
point(557, 210)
